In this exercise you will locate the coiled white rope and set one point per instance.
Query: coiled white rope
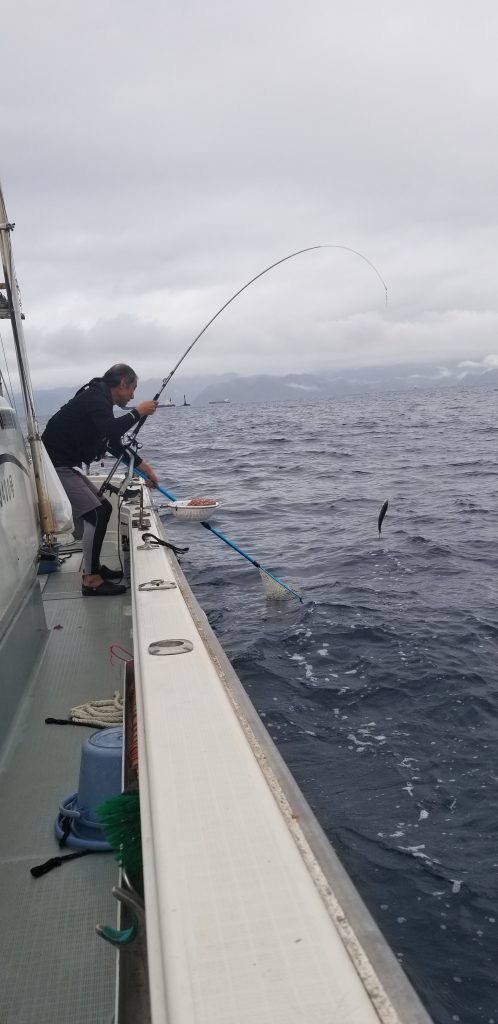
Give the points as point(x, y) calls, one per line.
point(99, 712)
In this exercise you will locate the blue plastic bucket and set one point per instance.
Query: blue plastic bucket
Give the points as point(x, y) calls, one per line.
point(100, 778)
point(100, 769)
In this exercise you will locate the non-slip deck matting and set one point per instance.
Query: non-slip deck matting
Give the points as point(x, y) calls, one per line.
point(54, 969)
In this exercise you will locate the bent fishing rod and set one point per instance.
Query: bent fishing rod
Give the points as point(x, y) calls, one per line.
point(133, 433)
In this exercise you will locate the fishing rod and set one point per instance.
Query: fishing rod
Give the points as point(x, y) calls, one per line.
point(267, 576)
point(132, 435)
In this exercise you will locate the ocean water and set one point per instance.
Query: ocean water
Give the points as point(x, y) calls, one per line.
point(381, 688)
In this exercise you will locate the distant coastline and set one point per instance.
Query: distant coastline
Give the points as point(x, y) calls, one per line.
point(304, 387)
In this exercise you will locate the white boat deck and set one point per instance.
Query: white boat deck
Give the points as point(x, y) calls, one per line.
point(249, 915)
point(53, 967)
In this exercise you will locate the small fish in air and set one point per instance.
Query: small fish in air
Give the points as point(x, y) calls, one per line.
point(381, 515)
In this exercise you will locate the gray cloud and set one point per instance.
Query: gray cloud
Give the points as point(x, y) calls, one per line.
point(154, 163)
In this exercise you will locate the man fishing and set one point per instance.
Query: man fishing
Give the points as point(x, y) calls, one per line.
point(80, 433)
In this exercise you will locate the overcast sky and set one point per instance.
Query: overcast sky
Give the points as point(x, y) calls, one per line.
point(156, 156)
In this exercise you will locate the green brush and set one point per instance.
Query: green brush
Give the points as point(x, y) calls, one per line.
point(120, 820)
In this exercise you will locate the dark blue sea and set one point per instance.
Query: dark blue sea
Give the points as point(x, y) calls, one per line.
point(381, 688)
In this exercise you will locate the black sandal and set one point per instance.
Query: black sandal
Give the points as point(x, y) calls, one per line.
point(106, 589)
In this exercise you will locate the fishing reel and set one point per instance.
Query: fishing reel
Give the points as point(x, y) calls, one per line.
point(130, 441)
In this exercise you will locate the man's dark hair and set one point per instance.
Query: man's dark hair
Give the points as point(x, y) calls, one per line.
point(117, 373)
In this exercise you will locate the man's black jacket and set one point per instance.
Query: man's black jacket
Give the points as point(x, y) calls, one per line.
point(85, 428)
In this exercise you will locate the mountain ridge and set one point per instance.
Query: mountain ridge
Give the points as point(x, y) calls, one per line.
point(304, 387)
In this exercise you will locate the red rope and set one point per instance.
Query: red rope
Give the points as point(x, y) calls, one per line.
point(133, 749)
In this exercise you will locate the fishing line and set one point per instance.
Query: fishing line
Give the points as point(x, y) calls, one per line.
point(272, 583)
point(133, 433)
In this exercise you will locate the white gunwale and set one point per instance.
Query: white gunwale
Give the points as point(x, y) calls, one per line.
point(250, 916)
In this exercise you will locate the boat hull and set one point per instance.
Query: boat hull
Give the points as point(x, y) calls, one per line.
point(19, 531)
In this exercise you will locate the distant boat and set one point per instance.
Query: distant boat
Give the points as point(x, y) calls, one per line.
point(168, 404)
point(220, 401)
point(185, 401)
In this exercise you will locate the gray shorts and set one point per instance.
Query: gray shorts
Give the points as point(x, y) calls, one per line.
point(81, 492)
